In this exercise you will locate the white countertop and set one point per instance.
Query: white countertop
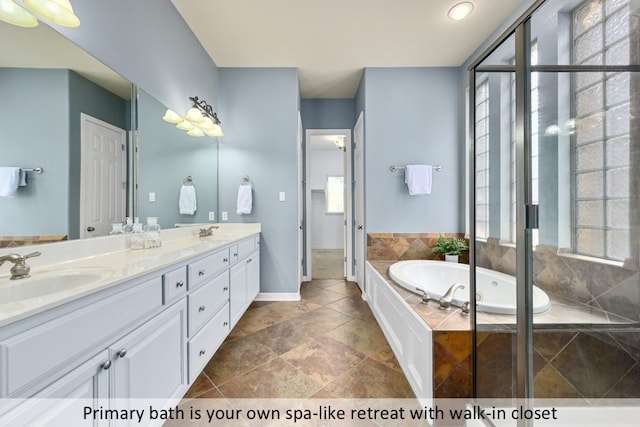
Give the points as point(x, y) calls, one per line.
point(107, 260)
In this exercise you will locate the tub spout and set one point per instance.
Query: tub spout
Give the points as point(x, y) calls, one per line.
point(425, 296)
point(466, 307)
point(445, 301)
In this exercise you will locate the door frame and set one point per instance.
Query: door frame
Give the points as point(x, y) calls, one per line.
point(358, 201)
point(348, 214)
point(84, 119)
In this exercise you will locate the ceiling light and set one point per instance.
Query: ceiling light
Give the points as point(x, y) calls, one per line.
point(13, 14)
point(339, 142)
point(58, 12)
point(460, 11)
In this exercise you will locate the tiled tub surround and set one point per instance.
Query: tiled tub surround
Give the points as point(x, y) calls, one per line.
point(572, 357)
point(405, 246)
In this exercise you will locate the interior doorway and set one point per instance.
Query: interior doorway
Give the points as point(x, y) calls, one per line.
point(328, 209)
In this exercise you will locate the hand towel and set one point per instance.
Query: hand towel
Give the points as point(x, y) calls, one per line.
point(9, 181)
point(187, 202)
point(418, 179)
point(22, 179)
point(245, 200)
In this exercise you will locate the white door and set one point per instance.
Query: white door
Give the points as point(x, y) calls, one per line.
point(360, 241)
point(300, 204)
point(103, 176)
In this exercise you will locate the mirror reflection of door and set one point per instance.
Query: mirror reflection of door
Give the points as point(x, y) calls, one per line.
point(103, 182)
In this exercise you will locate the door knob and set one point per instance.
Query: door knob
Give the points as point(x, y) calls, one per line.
point(91, 229)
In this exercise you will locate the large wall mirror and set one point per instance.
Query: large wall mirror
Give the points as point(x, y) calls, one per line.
point(65, 112)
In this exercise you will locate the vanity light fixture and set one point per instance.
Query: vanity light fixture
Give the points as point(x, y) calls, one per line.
point(199, 121)
point(57, 12)
point(339, 142)
point(460, 11)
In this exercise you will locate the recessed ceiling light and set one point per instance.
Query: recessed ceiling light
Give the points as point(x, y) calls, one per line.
point(460, 11)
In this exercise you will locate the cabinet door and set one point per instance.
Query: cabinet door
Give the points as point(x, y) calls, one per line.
point(253, 276)
point(238, 292)
point(150, 362)
point(64, 401)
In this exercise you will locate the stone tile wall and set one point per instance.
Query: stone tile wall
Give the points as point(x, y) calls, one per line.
point(406, 246)
point(12, 241)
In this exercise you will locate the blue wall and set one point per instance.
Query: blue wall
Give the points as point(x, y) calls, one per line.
point(411, 116)
point(328, 113)
point(167, 156)
point(147, 42)
point(260, 107)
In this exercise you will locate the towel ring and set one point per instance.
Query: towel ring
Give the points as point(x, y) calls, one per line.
point(188, 180)
point(245, 180)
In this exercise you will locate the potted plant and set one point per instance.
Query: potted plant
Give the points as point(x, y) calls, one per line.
point(450, 247)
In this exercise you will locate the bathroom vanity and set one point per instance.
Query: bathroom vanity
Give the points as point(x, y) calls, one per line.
point(129, 325)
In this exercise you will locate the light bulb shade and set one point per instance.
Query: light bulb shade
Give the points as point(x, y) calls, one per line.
point(195, 132)
point(215, 132)
point(460, 11)
point(171, 116)
point(13, 14)
point(185, 125)
point(207, 124)
point(194, 115)
point(57, 11)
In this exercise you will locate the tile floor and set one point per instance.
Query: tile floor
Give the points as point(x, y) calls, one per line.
point(328, 345)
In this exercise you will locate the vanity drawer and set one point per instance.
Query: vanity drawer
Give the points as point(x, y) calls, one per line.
point(174, 284)
point(207, 300)
point(242, 249)
point(31, 354)
point(203, 270)
point(207, 341)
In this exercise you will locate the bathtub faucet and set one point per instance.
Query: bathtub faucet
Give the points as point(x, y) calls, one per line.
point(425, 296)
point(445, 301)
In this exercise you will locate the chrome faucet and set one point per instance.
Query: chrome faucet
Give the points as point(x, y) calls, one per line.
point(445, 301)
point(425, 296)
point(20, 269)
point(205, 232)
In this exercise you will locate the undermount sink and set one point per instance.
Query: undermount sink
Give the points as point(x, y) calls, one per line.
point(46, 284)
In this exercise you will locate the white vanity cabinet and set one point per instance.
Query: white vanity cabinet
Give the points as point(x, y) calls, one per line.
point(148, 337)
point(245, 277)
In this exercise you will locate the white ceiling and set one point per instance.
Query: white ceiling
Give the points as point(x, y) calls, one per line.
point(331, 41)
point(43, 47)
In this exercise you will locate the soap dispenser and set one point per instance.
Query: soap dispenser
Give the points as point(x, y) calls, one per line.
point(152, 233)
point(136, 239)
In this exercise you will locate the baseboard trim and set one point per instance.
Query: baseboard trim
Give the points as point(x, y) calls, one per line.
point(278, 296)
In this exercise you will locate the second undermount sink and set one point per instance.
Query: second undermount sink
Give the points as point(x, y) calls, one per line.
point(46, 284)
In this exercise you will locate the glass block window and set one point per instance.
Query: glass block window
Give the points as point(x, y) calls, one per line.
point(535, 108)
point(601, 107)
point(335, 194)
point(482, 160)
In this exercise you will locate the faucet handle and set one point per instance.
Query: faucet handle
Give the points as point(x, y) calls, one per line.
point(32, 255)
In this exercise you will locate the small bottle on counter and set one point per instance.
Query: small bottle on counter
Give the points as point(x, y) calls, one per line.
point(136, 239)
point(116, 229)
point(152, 233)
point(128, 225)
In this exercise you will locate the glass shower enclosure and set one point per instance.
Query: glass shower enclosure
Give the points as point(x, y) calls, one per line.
point(555, 109)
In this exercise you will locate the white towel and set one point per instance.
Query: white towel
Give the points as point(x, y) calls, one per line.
point(187, 202)
point(9, 181)
point(245, 200)
point(22, 179)
point(418, 179)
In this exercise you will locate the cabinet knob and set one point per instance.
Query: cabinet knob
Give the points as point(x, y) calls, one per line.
point(201, 273)
point(202, 352)
point(225, 260)
point(249, 260)
point(226, 288)
point(122, 352)
point(235, 255)
point(180, 284)
point(202, 308)
point(106, 365)
point(225, 324)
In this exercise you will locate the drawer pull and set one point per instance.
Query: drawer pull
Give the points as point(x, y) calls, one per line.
point(225, 260)
point(226, 288)
point(202, 352)
point(106, 365)
point(235, 255)
point(249, 260)
point(225, 324)
point(180, 284)
point(201, 309)
point(122, 352)
point(201, 273)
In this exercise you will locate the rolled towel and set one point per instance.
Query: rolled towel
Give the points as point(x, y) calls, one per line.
point(187, 202)
point(418, 179)
point(9, 181)
point(245, 200)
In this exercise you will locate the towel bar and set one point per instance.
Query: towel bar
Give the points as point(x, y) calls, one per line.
point(437, 168)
